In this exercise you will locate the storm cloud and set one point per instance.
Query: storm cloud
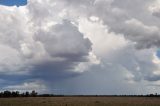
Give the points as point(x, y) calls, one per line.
point(80, 46)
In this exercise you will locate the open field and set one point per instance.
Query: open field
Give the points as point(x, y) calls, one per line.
point(81, 101)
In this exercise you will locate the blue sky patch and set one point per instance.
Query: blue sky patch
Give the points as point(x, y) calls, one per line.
point(158, 53)
point(13, 2)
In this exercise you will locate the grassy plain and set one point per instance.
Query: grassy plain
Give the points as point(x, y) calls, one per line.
point(81, 101)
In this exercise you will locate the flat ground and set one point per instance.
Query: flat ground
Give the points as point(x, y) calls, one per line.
point(81, 101)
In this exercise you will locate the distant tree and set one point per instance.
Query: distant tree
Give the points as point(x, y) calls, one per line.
point(22, 94)
point(1, 94)
point(27, 94)
point(15, 93)
point(34, 93)
point(7, 94)
point(156, 94)
point(151, 95)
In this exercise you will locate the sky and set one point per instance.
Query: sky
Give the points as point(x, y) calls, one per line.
point(103, 47)
point(13, 2)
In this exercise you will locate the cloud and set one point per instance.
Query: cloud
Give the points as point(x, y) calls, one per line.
point(122, 54)
point(144, 36)
point(28, 86)
point(130, 22)
point(66, 41)
point(154, 8)
point(48, 53)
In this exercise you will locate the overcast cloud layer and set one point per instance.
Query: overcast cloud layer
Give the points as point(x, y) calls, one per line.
point(81, 46)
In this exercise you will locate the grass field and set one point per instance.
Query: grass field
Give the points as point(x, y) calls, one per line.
point(81, 101)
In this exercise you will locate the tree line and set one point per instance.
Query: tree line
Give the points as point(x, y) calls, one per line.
point(7, 94)
point(18, 94)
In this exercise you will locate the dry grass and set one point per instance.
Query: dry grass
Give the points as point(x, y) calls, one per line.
point(81, 101)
